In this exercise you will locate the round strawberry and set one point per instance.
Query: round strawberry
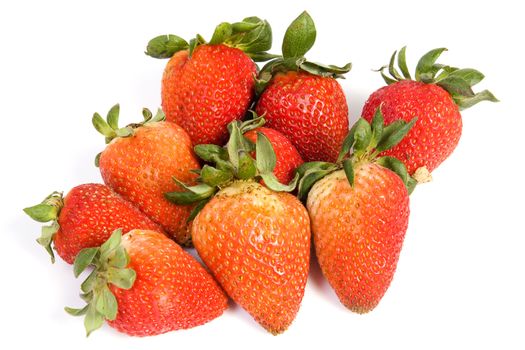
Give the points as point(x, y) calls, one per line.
point(359, 210)
point(302, 99)
point(254, 238)
point(144, 284)
point(139, 163)
point(287, 156)
point(436, 97)
point(206, 85)
point(84, 218)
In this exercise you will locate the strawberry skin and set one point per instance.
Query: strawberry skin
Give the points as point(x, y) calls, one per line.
point(207, 91)
point(140, 168)
point(288, 158)
point(359, 231)
point(310, 110)
point(91, 212)
point(256, 242)
point(172, 290)
point(437, 130)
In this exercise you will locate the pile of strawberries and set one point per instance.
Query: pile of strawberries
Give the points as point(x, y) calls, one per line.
point(247, 165)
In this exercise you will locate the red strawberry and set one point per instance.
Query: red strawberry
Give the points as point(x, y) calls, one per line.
point(436, 98)
point(288, 159)
point(302, 99)
point(359, 211)
point(254, 239)
point(144, 284)
point(139, 163)
point(207, 85)
point(85, 217)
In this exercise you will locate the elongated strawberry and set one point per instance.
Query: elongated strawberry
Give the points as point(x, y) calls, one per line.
point(255, 239)
point(144, 284)
point(436, 97)
point(359, 209)
point(206, 85)
point(302, 99)
point(139, 162)
point(84, 218)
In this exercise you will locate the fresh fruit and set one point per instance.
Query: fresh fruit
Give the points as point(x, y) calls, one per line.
point(255, 239)
point(286, 155)
point(359, 211)
point(436, 97)
point(206, 85)
point(144, 284)
point(84, 218)
point(302, 99)
point(139, 162)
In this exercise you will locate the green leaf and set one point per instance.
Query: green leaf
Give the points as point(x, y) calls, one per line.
point(465, 102)
point(247, 168)
point(76, 312)
point(241, 27)
point(112, 117)
point(362, 135)
point(83, 260)
point(387, 80)
point(89, 283)
point(348, 167)
point(402, 63)
point(122, 278)
point(106, 304)
point(316, 165)
point(425, 68)
point(214, 177)
point(111, 244)
point(190, 197)
point(210, 153)
point(313, 173)
point(411, 185)
point(253, 123)
point(97, 159)
point(165, 46)
point(42, 212)
point(469, 75)
point(222, 32)
point(119, 259)
point(299, 37)
point(252, 41)
point(124, 132)
point(264, 154)
point(197, 208)
point(272, 183)
point(235, 144)
point(392, 69)
point(262, 56)
point(396, 166)
point(46, 238)
point(146, 114)
point(348, 143)
point(323, 70)
point(93, 320)
point(456, 86)
point(394, 133)
point(102, 126)
point(377, 127)
point(159, 116)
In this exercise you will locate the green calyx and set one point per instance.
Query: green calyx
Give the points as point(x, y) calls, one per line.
point(230, 163)
point(363, 144)
point(298, 40)
point(252, 35)
point(47, 211)
point(458, 82)
point(110, 129)
point(109, 262)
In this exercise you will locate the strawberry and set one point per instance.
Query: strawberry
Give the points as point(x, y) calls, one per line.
point(302, 99)
point(254, 239)
point(287, 156)
point(207, 85)
point(84, 218)
point(359, 209)
point(436, 97)
point(139, 162)
point(144, 284)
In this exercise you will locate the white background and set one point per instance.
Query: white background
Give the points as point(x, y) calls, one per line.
point(460, 281)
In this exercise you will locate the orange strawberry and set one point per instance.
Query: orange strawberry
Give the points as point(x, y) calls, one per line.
point(254, 239)
point(84, 218)
point(436, 97)
point(359, 211)
point(139, 162)
point(207, 85)
point(144, 284)
point(302, 99)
